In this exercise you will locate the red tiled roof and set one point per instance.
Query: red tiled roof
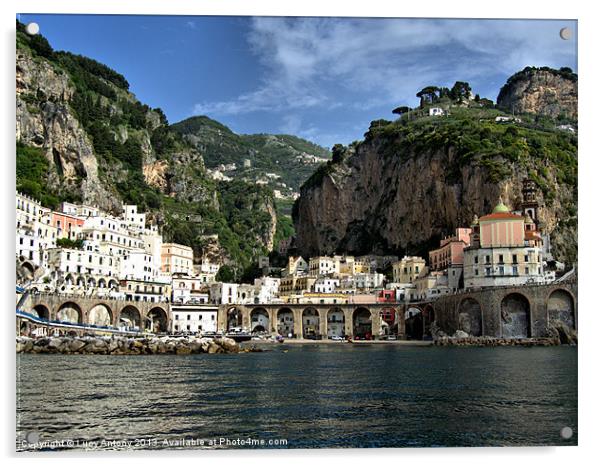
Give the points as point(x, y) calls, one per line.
point(501, 216)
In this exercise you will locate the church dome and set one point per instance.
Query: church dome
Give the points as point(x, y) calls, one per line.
point(501, 208)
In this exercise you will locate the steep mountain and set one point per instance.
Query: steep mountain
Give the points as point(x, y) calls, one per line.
point(82, 136)
point(543, 91)
point(415, 179)
point(282, 161)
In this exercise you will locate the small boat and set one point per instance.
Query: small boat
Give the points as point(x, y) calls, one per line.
point(239, 336)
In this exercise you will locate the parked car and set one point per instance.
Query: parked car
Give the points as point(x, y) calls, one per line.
point(337, 338)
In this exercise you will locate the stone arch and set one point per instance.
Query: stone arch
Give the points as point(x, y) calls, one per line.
point(285, 321)
point(29, 266)
point(130, 318)
point(100, 314)
point(515, 316)
point(42, 311)
point(335, 322)
point(470, 317)
point(362, 323)
point(102, 283)
point(561, 308)
point(414, 323)
point(69, 280)
point(113, 284)
point(234, 319)
point(260, 320)
point(91, 282)
point(310, 322)
point(69, 312)
point(156, 320)
point(81, 281)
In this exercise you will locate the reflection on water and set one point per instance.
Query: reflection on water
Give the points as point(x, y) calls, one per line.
point(313, 396)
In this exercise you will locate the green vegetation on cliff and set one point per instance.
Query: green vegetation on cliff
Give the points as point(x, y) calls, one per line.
point(127, 137)
point(31, 171)
point(280, 154)
point(467, 141)
point(473, 135)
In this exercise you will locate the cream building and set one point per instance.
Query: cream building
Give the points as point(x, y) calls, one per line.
point(505, 250)
point(408, 269)
point(176, 258)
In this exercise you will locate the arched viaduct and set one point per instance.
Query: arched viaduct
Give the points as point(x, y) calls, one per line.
point(509, 312)
point(318, 321)
point(143, 315)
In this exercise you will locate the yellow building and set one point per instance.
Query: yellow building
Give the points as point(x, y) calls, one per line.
point(408, 269)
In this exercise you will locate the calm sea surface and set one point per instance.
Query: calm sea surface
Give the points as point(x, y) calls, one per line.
point(311, 396)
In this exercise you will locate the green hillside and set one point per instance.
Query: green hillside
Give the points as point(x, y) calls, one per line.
point(102, 146)
point(282, 155)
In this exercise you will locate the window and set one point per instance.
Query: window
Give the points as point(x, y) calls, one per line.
point(177, 317)
point(514, 258)
point(526, 270)
point(501, 259)
point(476, 259)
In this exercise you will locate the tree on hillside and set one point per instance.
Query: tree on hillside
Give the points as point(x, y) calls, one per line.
point(460, 91)
point(428, 95)
point(401, 110)
point(338, 153)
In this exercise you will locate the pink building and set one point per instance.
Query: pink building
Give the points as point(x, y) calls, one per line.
point(68, 226)
point(451, 250)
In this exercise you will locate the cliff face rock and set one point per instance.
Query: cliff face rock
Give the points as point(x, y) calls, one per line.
point(45, 120)
point(541, 91)
point(103, 147)
point(377, 203)
point(155, 174)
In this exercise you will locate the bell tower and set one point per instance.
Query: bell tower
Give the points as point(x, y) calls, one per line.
point(530, 206)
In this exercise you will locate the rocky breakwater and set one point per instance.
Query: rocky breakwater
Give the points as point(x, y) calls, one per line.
point(126, 346)
point(560, 335)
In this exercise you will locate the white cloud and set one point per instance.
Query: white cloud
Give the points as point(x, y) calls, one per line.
point(320, 62)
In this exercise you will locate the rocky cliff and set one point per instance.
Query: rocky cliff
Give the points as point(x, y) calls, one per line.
point(409, 183)
point(542, 91)
point(83, 136)
point(45, 120)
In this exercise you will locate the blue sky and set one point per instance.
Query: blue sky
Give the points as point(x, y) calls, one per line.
point(323, 79)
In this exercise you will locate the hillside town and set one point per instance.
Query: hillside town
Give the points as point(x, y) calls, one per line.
point(82, 251)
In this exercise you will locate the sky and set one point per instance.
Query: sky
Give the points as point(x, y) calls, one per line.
point(323, 79)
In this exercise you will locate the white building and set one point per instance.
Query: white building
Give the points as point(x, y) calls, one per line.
point(267, 289)
point(223, 293)
point(323, 265)
point(34, 230)
point(326, 285)
point(194, 319)
point(368, 281)
point(436, 111)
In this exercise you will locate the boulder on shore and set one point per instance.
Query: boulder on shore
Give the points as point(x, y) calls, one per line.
point(126, 345)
